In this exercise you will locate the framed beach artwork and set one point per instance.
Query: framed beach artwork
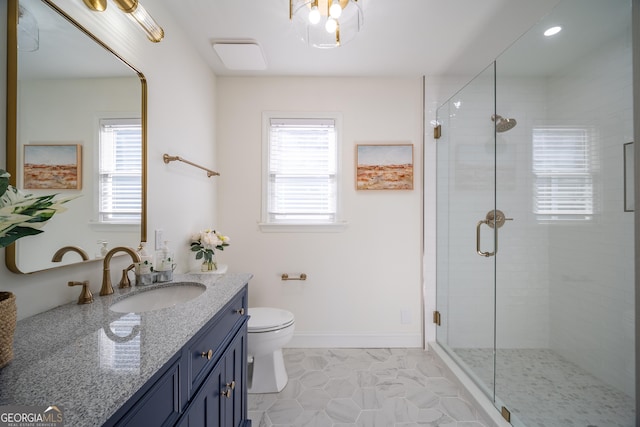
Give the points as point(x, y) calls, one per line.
point(52, 166)
point(384, 167)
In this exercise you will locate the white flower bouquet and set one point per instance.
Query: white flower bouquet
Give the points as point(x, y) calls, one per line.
point(204, 245)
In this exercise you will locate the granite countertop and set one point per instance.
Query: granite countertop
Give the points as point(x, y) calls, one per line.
point(90, 360)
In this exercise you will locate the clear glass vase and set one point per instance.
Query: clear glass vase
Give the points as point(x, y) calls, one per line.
point(209, 265)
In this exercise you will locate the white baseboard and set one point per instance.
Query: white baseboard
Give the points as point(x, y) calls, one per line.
point(340, 340)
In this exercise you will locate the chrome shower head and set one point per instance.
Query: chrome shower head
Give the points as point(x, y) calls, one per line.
point(502, 124)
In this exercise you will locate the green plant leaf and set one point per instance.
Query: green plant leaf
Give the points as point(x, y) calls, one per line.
point(42, 217)
point(16, 233)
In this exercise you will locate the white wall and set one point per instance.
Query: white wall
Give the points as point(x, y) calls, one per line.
point(360, 279)
point(182, 121)
point(522, 262)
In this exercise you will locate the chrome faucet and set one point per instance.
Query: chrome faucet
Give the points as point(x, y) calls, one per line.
point(107, 288)
point(57, 257)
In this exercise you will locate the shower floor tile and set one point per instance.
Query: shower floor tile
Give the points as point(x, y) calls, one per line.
point(363, 388)
point(541, 388)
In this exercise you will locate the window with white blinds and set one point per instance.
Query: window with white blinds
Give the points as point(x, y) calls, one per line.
point(301, 171)
point(563, 173)
point(120, 176)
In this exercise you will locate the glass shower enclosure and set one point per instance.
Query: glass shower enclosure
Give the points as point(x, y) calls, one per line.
point(535, 242)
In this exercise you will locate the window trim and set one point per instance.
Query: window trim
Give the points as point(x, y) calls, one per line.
point(264, 224)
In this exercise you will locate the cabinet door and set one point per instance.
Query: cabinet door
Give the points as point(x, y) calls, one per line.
point(234, 405)
point(205, 409)
point(159, 406)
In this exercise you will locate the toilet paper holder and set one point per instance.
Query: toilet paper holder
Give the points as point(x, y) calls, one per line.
point(302, 276)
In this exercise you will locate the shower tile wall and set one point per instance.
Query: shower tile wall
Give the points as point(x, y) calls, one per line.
point(522, 265)
point(591, 288)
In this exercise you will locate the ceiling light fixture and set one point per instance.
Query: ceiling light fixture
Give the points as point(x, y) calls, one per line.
point(326, 23)
point(136, 12)
point(552, 31)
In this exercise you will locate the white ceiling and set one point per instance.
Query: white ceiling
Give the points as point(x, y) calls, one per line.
point(399, 37)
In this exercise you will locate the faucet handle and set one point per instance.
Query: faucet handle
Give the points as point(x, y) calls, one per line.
point(125, 282)
point(86, 297)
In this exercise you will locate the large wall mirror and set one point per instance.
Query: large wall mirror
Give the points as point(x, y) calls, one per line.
point(67, 92)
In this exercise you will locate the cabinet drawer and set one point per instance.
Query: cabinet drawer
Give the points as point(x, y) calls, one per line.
point(206, 348)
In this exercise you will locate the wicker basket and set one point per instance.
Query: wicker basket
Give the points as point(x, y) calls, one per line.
point(7, 326)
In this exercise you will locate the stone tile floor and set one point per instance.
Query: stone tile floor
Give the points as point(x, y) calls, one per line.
point(363, 388)
point(541, 388)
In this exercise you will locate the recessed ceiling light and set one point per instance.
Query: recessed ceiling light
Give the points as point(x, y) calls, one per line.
point(240, 55)
point(552, 31)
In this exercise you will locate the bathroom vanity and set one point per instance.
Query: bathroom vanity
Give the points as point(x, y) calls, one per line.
point(183, 365)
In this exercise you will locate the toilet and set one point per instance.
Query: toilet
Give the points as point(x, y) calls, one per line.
point(269, 330)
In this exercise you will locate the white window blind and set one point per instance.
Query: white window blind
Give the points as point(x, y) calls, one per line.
point(302, 164)
point(563, 173)
point(120, 164)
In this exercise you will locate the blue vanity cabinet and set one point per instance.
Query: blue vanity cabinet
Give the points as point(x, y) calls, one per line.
point(204, 384)
point(221, 400)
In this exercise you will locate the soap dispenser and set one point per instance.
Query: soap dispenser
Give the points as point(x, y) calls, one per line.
point(144, 269)
point(164, 263)
point(164, 257)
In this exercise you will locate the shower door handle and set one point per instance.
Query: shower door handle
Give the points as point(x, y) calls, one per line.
point(478, 250)
point(494, 219)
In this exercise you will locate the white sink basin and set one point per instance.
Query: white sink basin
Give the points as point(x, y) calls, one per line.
point(157, 298)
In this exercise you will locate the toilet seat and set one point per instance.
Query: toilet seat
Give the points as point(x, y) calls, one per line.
point(267, 319)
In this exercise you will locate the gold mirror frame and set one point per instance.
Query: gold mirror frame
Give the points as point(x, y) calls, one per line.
point(12, 117)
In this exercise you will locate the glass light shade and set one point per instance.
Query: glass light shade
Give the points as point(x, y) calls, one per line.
point(348, 25)
point(155, 33)
point(139, 14)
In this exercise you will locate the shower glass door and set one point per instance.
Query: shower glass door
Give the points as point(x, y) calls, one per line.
point(565, 267)
point(536, 300)
point(465, 195)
